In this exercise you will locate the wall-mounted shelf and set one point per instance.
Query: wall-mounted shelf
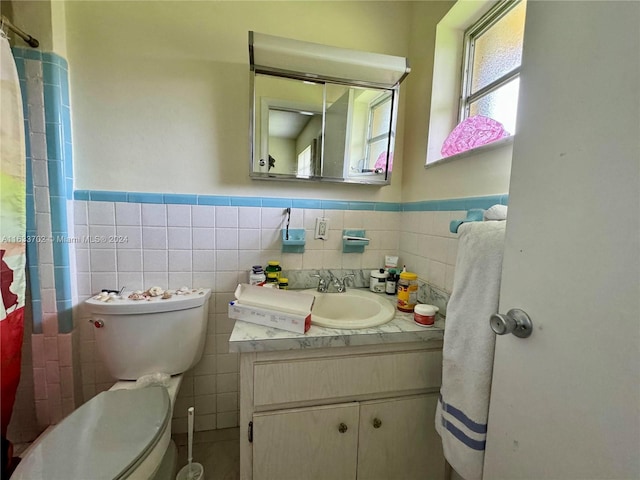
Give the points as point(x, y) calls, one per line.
point(295, 241)
point(354, 241)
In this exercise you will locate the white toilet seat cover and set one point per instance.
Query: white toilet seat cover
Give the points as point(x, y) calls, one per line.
point(103, 439)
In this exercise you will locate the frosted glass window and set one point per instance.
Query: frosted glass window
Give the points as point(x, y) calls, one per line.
point(493, 47)
point(381, 118)
point(498, 50)
point(378, 133)
point(501, 105)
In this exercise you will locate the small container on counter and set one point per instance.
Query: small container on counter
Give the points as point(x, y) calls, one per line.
point(272, 279)
point(257, 276)
point(377, 280)
point(407, 291)
point(391, 284)
point(273, 267)
point(283, 283)
point(425, 315)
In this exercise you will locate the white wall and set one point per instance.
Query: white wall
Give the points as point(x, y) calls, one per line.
point(481, 174)
point(160, 90)
point(157, 86)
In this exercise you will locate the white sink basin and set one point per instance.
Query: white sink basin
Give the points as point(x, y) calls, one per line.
point(351, 310)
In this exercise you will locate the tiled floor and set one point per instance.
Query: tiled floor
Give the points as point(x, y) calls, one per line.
point(217, 450)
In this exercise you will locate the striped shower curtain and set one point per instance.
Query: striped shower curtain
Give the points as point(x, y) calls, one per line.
point(12, 231)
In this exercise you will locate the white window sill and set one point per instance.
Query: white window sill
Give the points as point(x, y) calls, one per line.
point(474, 151)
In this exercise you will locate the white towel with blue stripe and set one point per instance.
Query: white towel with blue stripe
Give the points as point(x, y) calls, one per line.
point(467, 358)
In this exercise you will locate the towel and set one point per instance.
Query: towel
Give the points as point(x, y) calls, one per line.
point(467, 358)
point(496, 212)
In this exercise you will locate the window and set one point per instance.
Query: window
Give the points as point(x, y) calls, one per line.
point(304, 163)
point(378, 133)
point(491, 73)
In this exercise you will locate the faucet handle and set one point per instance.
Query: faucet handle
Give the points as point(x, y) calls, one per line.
point(322, 283)
point(352, 276)
point(342, 283)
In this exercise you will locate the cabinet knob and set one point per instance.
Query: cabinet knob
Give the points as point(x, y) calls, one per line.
point(342, 428)
point(377, 423)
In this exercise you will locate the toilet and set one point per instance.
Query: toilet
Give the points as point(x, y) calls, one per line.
point(125, 432)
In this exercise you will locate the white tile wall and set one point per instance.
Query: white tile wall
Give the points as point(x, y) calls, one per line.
point(215, 246)
point(428, 248)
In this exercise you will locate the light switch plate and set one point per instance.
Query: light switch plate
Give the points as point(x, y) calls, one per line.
point(322, 228)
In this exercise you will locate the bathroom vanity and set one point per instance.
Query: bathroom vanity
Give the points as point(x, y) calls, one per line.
point(340, 404)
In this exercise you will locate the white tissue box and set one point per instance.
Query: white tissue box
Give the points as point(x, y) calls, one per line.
point(292, 322)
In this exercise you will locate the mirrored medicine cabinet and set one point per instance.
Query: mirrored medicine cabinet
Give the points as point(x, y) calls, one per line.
point(321, 113)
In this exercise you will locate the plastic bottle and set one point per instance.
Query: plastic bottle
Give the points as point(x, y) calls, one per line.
point(407, 291)
point(391, 285)
point(377, 280)
point(273, 267)
point(257, 276)
point(283, 283)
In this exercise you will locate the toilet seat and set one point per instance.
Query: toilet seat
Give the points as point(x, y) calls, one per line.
point(106, 438)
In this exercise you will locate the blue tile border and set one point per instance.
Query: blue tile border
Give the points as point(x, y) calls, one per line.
point(451, 204)
point(32, 265)
point(60, 172)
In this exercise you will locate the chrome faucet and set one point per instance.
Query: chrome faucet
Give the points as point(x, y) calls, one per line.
point(322, 283)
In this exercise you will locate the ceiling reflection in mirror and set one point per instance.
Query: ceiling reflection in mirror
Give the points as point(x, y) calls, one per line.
point(308, 128)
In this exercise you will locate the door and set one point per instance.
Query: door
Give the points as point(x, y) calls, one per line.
point(316, 443)
point(565, 403)
point(398, 440)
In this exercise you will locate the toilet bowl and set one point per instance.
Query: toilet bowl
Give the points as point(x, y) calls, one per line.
point(125, 432)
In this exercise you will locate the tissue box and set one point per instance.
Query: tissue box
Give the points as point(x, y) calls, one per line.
point(292, 322)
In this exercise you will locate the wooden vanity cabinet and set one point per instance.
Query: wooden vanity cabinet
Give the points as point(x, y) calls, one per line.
point(363, 413)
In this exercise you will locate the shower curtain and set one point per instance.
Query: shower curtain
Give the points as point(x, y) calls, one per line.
point(12, 231)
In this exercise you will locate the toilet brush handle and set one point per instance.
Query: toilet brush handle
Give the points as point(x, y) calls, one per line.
point(190, 433)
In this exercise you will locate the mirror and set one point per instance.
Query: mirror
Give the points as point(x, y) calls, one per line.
point(305, 126)
point(322, 131)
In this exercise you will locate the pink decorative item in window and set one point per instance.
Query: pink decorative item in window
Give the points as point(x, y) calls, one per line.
point(381, 162)
point(471, 133)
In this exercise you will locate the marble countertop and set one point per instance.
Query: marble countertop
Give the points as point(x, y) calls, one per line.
point(249, 337)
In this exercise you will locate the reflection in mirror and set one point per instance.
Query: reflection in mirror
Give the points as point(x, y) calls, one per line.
point(287, 127)
point(293, 142)
point(309, 130)
point(361, 119)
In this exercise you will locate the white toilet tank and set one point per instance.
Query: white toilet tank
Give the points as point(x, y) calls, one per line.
point(140, 337)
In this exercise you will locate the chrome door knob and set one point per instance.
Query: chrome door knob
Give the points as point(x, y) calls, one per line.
point(516, 321)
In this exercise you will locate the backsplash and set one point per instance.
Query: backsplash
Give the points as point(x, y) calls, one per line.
point(304, 279)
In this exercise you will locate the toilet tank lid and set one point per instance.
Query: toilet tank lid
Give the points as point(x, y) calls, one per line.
point(125, 306)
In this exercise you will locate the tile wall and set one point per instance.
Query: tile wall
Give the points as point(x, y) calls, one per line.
point(48, 365)
point(172, 245)
point(176, 244)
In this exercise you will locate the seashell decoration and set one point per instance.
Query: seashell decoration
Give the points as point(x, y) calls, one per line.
point(137, 295)
point(106, 296)
point(155, 291)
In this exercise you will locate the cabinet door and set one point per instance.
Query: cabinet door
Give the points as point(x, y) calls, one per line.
point(311, 443)
point(398, 440)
